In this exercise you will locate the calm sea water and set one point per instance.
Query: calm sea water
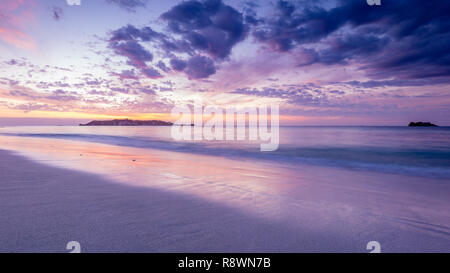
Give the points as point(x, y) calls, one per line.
point(410, 151)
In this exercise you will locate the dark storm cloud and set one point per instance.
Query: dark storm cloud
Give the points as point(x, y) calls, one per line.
point(209, 26)
point(341, 48)
point(250, 15)
point(403, 38)
point(294, 25)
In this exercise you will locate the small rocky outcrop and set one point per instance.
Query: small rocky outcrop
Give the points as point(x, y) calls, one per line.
point(421, 124)
point(127, 122)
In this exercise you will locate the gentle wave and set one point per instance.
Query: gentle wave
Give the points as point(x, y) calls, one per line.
point(419, 162)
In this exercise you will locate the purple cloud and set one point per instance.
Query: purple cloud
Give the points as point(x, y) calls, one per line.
point(199, 67)
point(397, 39)
point(293, 95)
point(129, 5)
point(151, 73)
point(127, 74)
point(136, 54)
point(130, 32)
point(209, 26)
point(202, 28)
point(177, 64)
point(162, 65)
point(57, 13)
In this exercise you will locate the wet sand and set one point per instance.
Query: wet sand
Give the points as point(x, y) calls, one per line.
point(119, 199)
point(43, 208)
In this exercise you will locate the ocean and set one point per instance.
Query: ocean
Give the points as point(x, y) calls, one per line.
point(404, 150)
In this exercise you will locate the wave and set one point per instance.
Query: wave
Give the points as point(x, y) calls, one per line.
point(418, 162)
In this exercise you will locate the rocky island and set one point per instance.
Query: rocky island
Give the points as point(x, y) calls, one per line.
point(127, 122)
point(421, 124)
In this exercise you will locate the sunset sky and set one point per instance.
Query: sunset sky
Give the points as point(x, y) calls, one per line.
point(325, 62)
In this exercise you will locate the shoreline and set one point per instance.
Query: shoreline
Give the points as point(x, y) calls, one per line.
point(163, 209)
point(46, 207)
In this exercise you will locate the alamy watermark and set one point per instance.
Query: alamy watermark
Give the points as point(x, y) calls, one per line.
point(232, 123)
point(374, 246)
point(74, 247)
point(73, 2)
point(374, 2)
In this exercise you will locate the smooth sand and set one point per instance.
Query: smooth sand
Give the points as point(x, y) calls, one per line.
point(309, 210)
point(45, 207)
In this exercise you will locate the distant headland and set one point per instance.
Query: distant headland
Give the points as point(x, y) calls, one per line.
point(421, 124)
point(127, 122)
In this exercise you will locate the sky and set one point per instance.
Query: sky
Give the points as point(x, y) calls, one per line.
point(324, 62)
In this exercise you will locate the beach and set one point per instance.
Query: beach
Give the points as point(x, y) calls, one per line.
point(123, 198)
point(234, 126)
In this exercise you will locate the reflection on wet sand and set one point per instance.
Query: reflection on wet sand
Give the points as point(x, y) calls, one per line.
point(340, 209)
point(244, 185)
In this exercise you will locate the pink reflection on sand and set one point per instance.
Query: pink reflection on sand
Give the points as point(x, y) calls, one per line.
point(245, 185)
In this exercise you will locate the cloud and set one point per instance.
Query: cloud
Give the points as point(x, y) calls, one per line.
point(137, 56)
point(58, 95)
point(152, 73)
point(162, 65)
point(402, 38)
point(61, 95)
point(250, 15)
point(15, 17)
point(146, 90)
point(199, 67)
point(396, 40)
point(127, 74)
point(294, 25)
point(130, 32)
point(16, 62)
point(209, 26)
point(31, 106)
point(129, 5)
point(204, 32)
point(57, 13)
point(341, 48)
point(293, 95)
point(177, 64)
point(396, 83)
